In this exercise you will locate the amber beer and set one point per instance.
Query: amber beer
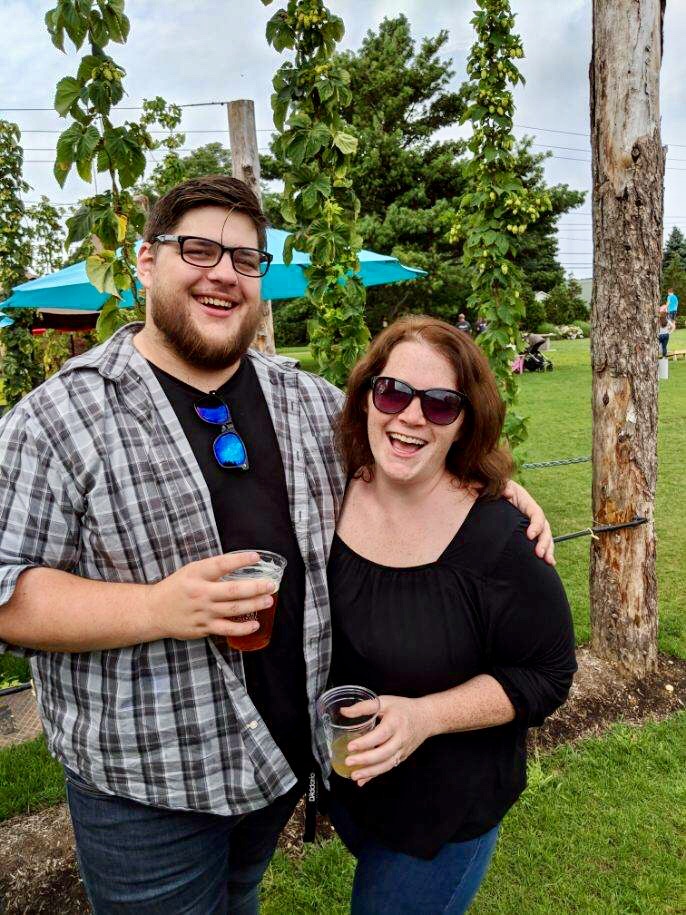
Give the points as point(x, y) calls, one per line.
point(271, 566)
point(259, 639)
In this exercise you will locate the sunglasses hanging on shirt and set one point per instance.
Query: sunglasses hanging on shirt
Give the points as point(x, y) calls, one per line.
point(229, 449)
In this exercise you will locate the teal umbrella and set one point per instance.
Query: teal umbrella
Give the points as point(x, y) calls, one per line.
point(70, 289)
point(5, 320)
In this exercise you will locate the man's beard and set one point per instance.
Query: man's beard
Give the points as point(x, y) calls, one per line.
point(176, 326)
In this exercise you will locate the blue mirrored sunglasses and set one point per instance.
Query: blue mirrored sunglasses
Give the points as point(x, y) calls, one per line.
point(228, 446)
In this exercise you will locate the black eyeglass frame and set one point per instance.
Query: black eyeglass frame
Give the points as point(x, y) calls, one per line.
point(265, 257)
point(416, 392)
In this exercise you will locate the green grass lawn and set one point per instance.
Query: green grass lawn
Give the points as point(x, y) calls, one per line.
point(599, 830)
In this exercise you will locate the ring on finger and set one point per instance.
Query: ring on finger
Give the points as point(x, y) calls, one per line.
point(396, 759)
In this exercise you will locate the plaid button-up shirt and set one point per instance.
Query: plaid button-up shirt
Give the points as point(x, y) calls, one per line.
point(98, 479)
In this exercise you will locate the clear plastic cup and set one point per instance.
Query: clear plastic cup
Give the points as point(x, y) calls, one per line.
point(270, 565)
point(340, 729)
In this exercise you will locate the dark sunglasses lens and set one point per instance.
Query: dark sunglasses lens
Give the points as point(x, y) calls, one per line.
point(229, 450)
point(391, 396)
point(213, 411)
point(441, 407)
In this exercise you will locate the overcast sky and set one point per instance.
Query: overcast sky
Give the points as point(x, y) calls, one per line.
point(214, 51)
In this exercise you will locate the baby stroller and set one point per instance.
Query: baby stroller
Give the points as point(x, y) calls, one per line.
point(532, 359)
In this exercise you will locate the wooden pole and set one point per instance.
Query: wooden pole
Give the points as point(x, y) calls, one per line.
point(628, 200)
point(245, 161)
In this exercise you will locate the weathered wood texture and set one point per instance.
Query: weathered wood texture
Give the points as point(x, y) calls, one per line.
point(628, 192)
point(245, 162)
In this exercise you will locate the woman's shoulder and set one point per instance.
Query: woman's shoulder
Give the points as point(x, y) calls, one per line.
point(488, 532)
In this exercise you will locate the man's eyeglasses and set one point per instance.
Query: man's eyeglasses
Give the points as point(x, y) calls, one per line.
point(228, 447)
point(203, 252)
point(440, 406)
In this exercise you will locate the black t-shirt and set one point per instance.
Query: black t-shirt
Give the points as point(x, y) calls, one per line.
point(487, 605)
point(251, 510)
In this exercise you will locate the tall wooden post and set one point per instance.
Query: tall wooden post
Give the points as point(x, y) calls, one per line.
point(628, 192)
point(245, 162)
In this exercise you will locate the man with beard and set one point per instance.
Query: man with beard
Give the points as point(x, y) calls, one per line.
point(126, 481)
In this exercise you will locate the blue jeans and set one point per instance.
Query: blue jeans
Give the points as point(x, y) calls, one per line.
point(391, 883)
point(663, 340)
point(153, 861)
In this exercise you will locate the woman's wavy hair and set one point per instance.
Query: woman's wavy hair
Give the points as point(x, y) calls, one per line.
point(477, 457)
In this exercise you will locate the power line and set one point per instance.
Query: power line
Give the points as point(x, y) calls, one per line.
point(573, 133)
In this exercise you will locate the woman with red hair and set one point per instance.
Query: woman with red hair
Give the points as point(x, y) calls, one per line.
point(441, 607)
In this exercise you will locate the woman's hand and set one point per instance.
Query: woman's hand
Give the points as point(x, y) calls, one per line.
point(538, 526)
point(404, 725)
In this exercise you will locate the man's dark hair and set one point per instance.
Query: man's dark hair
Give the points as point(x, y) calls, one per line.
point(208, 190)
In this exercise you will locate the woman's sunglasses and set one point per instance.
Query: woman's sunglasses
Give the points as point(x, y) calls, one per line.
point(228, 446)
point(440, 406)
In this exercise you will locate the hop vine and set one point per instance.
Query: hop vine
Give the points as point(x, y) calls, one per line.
point(497, 208)
point(20, 370)
point(318, 201)
point(93, 143)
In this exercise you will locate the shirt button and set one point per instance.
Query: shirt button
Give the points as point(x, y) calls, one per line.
point(252, 725)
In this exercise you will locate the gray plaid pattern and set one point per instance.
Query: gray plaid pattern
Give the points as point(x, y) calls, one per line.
point(97, 478)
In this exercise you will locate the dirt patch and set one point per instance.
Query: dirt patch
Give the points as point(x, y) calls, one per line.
point(38, 872)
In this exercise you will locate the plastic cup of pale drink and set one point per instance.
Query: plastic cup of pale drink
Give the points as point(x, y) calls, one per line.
point(271, 566)
point(341, 729)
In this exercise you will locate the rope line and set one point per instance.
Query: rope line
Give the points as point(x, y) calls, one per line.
point(576, 460)
point(600, 529)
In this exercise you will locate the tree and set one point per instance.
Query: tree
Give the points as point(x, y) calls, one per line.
point(675, 246)
point(46, 235)
point(19, 368)
point(565, 304)
point(628, 189)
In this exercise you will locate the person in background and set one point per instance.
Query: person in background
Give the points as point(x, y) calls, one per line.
point(672, 304)
point(463, 324)
point(481, 324)
point(440, 606)
point(125, 479)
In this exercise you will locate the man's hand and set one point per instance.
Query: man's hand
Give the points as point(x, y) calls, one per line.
point(538, 527)
point(194, 601)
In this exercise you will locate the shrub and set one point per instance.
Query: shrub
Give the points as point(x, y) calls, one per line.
point(545, 327)
point(565, 305)
point(584, 327)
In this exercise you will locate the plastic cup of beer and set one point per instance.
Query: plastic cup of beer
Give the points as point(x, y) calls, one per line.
point(341, 729)
point(270, 565)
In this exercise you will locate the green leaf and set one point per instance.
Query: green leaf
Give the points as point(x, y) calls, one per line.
point(346, 142)
point(67, 92)
point(98, 30)
point(116, 22)
point(109, 319)
point(79, 226)
point(55, 28)
point(100, 272)
point(74, 23)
